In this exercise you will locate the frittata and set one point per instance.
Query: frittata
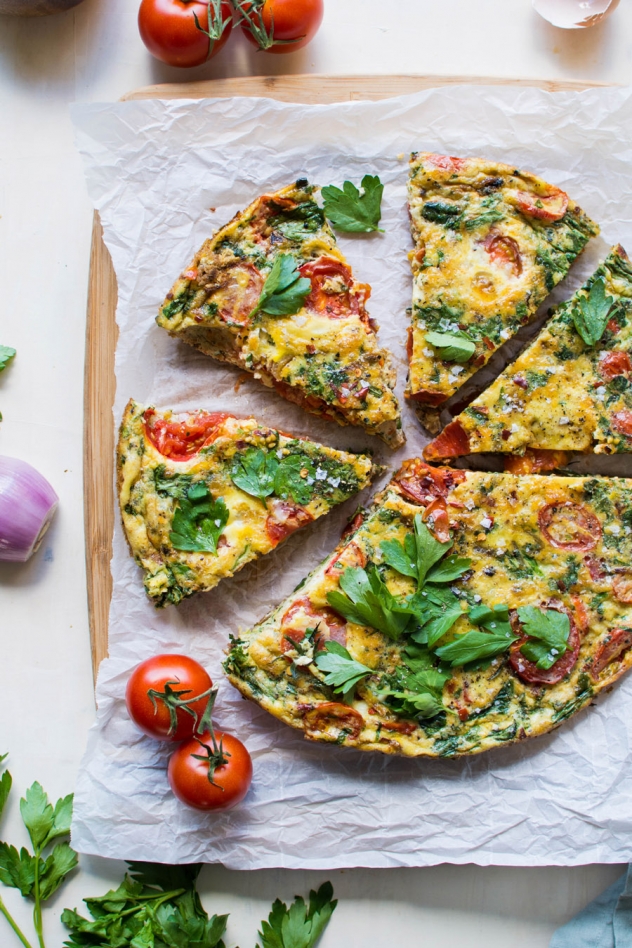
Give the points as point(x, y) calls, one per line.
point(463, 612)
point(204, 493)
point(570, 390)
point(301, 328)
point(491, 242)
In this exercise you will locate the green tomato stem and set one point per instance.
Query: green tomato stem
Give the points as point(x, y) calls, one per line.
point(13, 924)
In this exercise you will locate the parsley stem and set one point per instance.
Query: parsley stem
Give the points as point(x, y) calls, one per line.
point(37, 910)
point(13, 924)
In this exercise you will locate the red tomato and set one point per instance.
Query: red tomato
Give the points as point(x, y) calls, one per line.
point(569, 526)
point(334, 292)
point(303, 615)
point(504, 251)
point(168, 29)
point(543, 207)
point(622, 586)
point(333, 720)
point(181, 440)
point(622, 422)
point(422, 483)
point(615, 363)
point(535, 460)
point(446, 162)
point(350, 555)
point(453, 442)
point(240, 294)
point(213, 772)
point(171, 680)
point(529, 671)
point(615, 643)
point(280, 26)
point(284, 519)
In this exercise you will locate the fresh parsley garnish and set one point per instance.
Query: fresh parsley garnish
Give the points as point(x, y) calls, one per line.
point(417, 554)
point(435, 611)
point(452, 346)
point(6, 354)
point(548, 632)
point(295, 478)
point(416, 687)
point(367, 600)
point(300, 925)
point(198, 520)
point(343, 673)
point(590, 313)
point(284, 290)
point(254, 471)
point(353, 211)
point(476, 646)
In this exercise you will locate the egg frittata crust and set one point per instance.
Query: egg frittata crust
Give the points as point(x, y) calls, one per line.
point(491, 242)
point(560, 394)
point(326, 357)
point(562, 544)
point(187, 521)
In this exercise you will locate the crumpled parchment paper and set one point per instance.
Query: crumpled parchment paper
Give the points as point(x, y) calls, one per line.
point(163, 176)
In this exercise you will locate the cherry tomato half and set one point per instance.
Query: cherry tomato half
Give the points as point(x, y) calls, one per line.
point(182, 436)
point(211, 774)
point(158, 692)
point(278, 23)
point(169, 31)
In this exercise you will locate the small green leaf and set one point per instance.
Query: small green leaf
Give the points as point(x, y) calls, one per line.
point(37, 814)
point(62, 818)
point(429, 550)
point(284, 290)
point(354, 211)
point(295, 477)
point(590, 313)
point(367, 601)
point(474, 646)
point(254, 471)
point(5, 789)
point(343, 671)
point(548, 632)
point(6, 354)
point(61, 861)
point(301, 925)
point(17, 870)
point(198, 521)
point(399, 557)
point(452, 346)
point(449, 569)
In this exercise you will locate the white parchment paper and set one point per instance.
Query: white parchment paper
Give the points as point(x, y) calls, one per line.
point(163, 176)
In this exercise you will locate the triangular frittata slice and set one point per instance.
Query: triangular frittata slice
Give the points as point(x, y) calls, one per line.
point(325, 356)
point(491, 242)
point(569, 390)
point(204, 493)
point(463, 612)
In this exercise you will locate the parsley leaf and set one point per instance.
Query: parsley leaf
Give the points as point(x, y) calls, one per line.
point(301, 925)
point(419, 552)
point(590, 314)
point(5, 786)
point(352, 211)
point(548, 632)
point(295, 478)
point(6, 354)
point(367, 601)
point(416, 688)
point(254, 471)
point(453, 346)
point(436, 611)
point(284, 290)
point(198, 521)
point(343, 672)
point(474, 646)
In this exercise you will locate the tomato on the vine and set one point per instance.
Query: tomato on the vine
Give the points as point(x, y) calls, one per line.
point(184, 32)
point(280, 26)
point(167, 696)
point(211, 772)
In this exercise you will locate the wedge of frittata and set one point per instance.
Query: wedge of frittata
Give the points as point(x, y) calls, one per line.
point(272, 293)
point(570, 390)
point(464, 611)
point(491, 242)
point(204, 493)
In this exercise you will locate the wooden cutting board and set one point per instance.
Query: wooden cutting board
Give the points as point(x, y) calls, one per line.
point(101, 331)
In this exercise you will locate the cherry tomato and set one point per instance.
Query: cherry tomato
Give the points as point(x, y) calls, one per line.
point(612, 364)
point(615, 644)
point(543, 207)
point(213, 772)
point(453, 442)
point(333, 721)
point(281, 26)
point(239, 294)
point(423, 483)
point(284, 519)
point(446, 162)
point(569, 526)
point(504, 251)
point(156, 691)
point(303, 615)
point(334, 292)
point(182, 438)
point(622, 422)
point(535, 460)
point(622, 586)
point(168, 29)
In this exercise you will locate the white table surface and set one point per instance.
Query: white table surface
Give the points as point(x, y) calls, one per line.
point(94, 53)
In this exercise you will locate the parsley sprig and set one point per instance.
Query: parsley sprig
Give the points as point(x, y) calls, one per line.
point(452, 346)
point(260, 474)
point(284, 290)
point(474, 646)
point(591, 312)
point(416, 688)
point(343, 672)
point(198, 520)
point(40, 874)
point(548, 632)
point(300, 925)
point(367, 600)
point(352, 210)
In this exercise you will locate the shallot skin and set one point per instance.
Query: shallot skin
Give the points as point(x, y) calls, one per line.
point(27, 505)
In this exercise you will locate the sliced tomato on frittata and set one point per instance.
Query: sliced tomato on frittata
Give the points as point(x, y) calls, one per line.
point(203, 493)
point(569, 390)
point(315, 342)
point(491, 242)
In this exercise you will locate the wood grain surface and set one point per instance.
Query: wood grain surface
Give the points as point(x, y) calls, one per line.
point(101, 333)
